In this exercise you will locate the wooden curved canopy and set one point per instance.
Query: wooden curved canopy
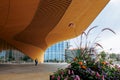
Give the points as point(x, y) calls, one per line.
point(34, 25)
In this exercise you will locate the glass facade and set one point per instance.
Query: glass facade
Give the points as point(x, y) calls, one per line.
point(9, 54)
point(56, 53)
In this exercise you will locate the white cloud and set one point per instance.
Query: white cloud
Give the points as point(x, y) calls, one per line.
point(112, 42)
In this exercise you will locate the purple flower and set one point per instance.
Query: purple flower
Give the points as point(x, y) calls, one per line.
point(88, 70)
point(105, 75)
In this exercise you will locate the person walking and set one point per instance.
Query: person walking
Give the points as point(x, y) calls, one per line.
point(36, 62)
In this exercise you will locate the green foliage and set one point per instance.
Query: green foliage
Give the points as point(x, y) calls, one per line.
point(103, 56)
point(113, 56)
point(118, 57)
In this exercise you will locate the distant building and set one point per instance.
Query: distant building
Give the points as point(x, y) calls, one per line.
point(56, 53)
point(14, 55)
point(9, 53)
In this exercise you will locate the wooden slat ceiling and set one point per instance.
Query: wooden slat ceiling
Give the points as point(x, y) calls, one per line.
point(34, 25)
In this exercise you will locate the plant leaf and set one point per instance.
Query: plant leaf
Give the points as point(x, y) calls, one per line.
point(97, 44)
point(81, 38)
point(90, 30)
point(108, 30)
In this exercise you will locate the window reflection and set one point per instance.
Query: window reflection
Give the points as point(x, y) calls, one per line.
point(56, 52)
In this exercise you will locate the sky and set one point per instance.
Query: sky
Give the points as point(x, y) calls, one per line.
point(108, 18)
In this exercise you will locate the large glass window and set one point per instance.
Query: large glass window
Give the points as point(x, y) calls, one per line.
point(56, 52)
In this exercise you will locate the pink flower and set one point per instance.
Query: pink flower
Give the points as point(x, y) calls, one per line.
point(77, 77)
point(97, 75)
point(69, 66)
point(62, 72)
point(53, 76)
point(103, 77)
point(66, 78)
point(68, 71)
point(58, 78)
point(72, 72)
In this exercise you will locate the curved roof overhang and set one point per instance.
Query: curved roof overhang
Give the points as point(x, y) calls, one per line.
point(34, 25)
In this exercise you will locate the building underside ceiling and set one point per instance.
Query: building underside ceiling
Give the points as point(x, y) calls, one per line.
point(33, 25)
